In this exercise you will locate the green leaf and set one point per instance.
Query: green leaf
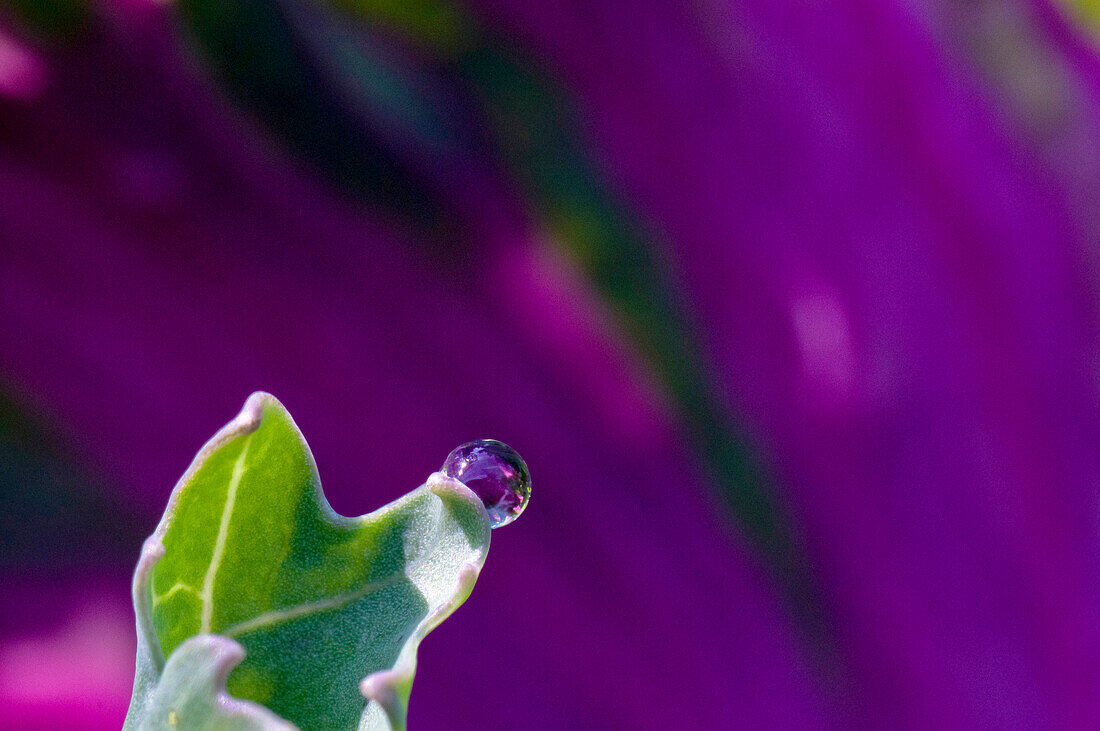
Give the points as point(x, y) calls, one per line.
point(329, 610)
point(191, 691)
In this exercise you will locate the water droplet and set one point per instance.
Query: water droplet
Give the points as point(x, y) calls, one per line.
point(496, 473)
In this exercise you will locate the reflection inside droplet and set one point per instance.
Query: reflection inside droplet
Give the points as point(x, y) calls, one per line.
point(496, 473)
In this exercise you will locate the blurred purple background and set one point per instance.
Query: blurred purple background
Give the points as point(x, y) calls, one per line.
point(790, 308)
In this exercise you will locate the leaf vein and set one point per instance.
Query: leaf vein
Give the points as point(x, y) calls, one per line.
point(178, 586)
point(300, 610)
point(207, 593)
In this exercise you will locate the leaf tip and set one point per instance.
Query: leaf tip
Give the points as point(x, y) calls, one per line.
point(389, 690)
point(192, 691)
point(444, 486)
point(248, 420)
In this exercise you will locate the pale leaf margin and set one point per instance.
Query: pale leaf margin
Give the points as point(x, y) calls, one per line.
point(389, 689)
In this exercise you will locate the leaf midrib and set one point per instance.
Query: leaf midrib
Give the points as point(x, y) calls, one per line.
point(206, 594)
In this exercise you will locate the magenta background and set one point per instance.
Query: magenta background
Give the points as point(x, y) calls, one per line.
point(886, 232)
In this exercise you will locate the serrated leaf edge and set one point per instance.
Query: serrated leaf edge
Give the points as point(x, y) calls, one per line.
point(218, 656)
point(389, 689)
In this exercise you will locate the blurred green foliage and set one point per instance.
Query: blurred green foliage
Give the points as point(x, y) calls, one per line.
point(57, 20)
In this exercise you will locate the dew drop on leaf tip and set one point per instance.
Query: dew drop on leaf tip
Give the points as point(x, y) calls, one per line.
point(496, 474)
